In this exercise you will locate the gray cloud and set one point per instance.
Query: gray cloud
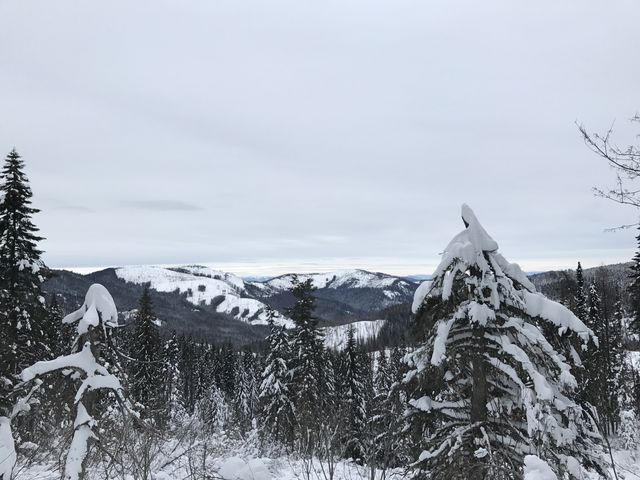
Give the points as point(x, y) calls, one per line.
point(161, 205)
point(317, 134)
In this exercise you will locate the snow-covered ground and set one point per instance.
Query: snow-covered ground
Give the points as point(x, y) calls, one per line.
point(244, 466)
point(203, 286)
point(214, 458)
point(336, 337)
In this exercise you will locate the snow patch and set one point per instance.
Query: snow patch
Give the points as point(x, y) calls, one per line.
point(204, 286)
point(537, 469)
point(336, 337)
point(236, 468)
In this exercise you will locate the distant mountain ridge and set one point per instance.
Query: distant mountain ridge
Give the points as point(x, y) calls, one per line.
point(223, 307)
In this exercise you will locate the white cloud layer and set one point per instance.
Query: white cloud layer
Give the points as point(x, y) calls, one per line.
point(287, 133)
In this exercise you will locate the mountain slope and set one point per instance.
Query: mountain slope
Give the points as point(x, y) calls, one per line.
point(336, 337)
point(174, 311)
point(221, 307)
point(223, 292)
point(341, 297)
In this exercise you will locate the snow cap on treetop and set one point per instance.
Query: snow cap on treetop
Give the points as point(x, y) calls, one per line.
point(98, 300)
point(477, 235)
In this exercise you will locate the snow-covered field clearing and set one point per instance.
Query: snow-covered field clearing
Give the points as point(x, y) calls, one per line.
point(216, 459)
point(220, 463)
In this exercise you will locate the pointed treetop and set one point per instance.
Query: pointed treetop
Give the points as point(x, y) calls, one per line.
point(477, 235)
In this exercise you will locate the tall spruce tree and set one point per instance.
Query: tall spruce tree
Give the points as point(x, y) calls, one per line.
point(306, 373)
point(486, 387)
point(171, 374)
point(603, 362)
point(56, 333)
point(388, 414)
point(146, 371)
point(22, 308)
point(355, 403)
point(580, 296)
point(615, 365)
point(277, 407)
point(245, 393)
point(634, 290)
point(592, 360)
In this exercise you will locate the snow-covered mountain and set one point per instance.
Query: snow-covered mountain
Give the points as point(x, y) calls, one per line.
point(203, 286)
point(220, 306)
point(391, 287)
point(342, 296)
point(336, 337)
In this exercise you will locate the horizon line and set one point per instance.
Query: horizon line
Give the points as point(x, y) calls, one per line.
point(274, 269)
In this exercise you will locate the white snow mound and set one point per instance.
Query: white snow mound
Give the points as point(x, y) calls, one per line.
point(537, 469)
point(235, 468)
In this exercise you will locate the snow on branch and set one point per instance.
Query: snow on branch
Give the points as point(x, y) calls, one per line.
point(97, 312)
point(540, 306)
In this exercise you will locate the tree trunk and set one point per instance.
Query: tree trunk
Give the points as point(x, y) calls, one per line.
point(478, 402)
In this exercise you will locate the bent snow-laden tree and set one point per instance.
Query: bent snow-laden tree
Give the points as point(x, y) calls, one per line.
point(486, 387)
point(85, 366)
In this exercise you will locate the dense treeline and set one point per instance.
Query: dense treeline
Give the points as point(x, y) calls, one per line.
point(481, 374)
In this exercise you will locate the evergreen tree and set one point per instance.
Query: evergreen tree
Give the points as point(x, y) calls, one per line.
point(615, 365)
point(228, 364)
point(354, 399)
point(602, 382)
point(171, 374)
point(634, 290)
point(306, 362)
point(188, 377)
point(96, 385)
point(245, 393)
point(22, 309)
point(146, 371)
point(580, 297)
point(56, 333)
point(592, 361)
point(486, 387)
point(388, 416)
point(277, 408)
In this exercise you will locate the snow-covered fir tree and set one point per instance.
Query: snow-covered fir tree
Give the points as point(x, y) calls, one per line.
point(245, 393)
point(171, 374)
point(580, 296)
point(146, 367)
point(486, 388)
point(22, 304)
point(87, 368)
point(615, 364)
point(592, 373)
point(354, 399)
point(387, 415)
point(306, 362)
point(276, 401)
point(634, 290)
point(601, 382)
point(57, 334)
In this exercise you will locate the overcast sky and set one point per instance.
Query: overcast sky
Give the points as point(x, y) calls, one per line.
point(270, 136)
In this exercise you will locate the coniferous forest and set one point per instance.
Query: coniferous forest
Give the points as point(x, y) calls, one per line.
point(319, 240)
point(486, 378)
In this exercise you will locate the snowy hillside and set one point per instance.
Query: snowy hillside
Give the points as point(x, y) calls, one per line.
point(336, 337)
point(203, 286)
point(393, 288)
